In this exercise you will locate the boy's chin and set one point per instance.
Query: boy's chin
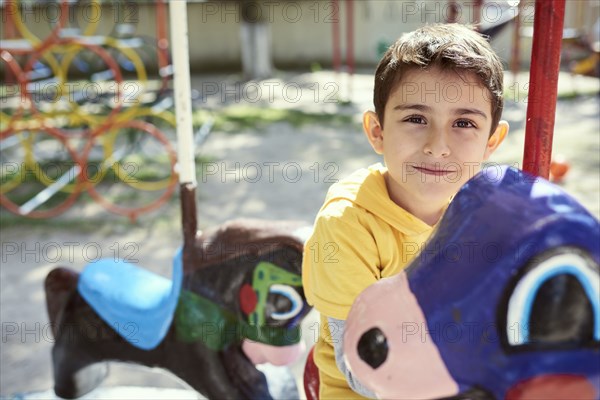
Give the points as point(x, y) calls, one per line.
point(431, 192)
point(439, 188)
point(438, 194)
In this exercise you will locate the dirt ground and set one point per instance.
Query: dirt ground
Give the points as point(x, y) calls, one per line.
point(296, 165)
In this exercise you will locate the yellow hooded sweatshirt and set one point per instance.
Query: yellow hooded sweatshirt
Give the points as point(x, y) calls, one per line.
point(360, 236)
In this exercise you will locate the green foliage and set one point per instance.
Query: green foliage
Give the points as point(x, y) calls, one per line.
point(236, 119)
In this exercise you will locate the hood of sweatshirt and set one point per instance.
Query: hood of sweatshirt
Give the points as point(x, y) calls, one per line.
point(367, 189)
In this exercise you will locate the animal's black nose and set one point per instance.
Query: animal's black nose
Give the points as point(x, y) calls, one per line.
point(372, 347)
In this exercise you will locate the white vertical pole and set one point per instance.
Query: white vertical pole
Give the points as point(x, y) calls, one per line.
point(183, 96)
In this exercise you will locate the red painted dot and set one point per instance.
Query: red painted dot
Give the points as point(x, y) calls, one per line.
point(248, 299)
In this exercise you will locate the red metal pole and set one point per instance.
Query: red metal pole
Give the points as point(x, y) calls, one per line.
point(452, 17)
point(515, 61)
point(477, 13)
point(161, 33)
point(350, 35)
point(350, 44)
point(336, 35)
point(162, 44)
point(543, 85)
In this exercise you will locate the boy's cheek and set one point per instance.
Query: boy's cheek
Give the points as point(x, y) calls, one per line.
point(470, 169)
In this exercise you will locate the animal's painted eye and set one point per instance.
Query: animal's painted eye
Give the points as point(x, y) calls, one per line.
point(556, 301)
point(285, 301)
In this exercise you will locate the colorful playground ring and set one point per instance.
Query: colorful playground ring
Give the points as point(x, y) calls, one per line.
point(51, 110)
point(74, 107)
point(133, 212)
point(13, 9)
point(7, 120)
point(68, 201)
point(107, 138)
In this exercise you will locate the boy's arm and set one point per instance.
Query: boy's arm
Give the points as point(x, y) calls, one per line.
point(337, 338)
point(340, 260)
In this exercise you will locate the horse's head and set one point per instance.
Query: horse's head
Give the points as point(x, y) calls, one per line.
point(246, 288)
point(503, 300)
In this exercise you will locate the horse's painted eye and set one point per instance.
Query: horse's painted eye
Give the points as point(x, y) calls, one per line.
point(557, 300)
point(286, 302)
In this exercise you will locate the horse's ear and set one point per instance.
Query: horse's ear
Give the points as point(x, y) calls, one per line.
point(246, 236)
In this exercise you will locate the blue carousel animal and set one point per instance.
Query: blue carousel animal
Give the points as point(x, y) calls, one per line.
point(503, 301)
point(237, 301)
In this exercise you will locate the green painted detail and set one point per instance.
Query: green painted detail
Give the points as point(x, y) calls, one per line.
point(265, 275)
point(199, 319)
point(271, 335)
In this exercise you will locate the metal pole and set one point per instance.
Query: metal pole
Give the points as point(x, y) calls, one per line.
point(453, 14)
point(543, 85)
point(185, 136)
point(515, 60)
point(477, 13)
point(162, 41)
point(335, 31)
point(350, 44)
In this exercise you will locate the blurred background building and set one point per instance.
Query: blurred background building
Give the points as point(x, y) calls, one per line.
point(297, 34)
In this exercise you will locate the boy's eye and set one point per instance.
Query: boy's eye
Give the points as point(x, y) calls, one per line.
point(415, 119)
point(463, 123)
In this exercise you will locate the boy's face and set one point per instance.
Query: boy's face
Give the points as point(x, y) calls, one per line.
point(436, 133)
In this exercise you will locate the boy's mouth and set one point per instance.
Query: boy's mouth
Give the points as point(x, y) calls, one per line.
point(433, 170)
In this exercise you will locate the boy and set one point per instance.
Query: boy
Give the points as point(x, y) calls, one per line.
point(438, 101)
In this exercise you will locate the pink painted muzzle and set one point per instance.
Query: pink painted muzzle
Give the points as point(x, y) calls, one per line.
point(387, 347)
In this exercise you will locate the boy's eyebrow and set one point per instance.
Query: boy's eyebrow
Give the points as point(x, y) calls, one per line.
point(415, 106)
point(463, 111)
point(426, 108)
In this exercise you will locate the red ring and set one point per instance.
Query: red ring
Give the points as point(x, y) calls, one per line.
point(133, 212)
point(106, 57)
point(62, 207)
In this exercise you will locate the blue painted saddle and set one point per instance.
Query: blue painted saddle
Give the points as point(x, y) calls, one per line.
point(138, 304)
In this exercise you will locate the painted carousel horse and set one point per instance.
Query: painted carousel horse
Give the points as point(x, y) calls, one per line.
point(240, 303)
point(503, 301)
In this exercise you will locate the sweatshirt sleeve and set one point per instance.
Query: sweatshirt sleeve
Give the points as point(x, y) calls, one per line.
point(337, 338)
point(340, 259)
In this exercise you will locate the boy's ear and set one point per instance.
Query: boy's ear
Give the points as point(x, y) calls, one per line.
point(496, 139)
point(373, 131)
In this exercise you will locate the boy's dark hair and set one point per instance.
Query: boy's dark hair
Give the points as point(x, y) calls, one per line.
point(451, 47)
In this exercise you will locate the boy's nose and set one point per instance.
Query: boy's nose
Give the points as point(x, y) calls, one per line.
point(436, 146)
